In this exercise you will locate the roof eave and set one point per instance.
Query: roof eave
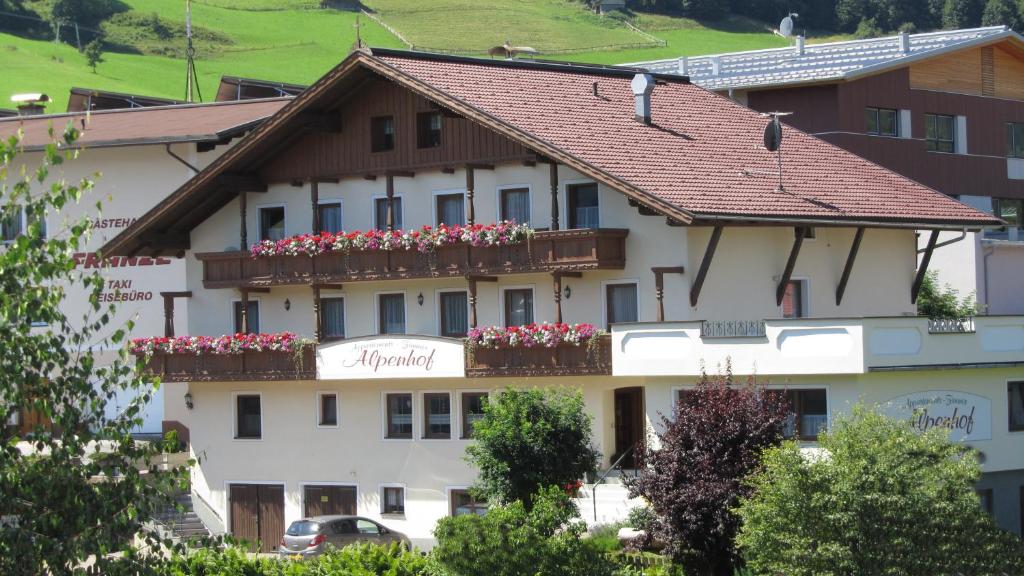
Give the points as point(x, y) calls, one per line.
point(920, 224)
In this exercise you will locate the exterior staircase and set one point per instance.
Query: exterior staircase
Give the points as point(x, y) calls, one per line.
point(181, 525)
point(611, 498)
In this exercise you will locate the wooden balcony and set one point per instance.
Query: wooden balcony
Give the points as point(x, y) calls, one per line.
point(562, 360)
point(563, 250)
point(246, 366)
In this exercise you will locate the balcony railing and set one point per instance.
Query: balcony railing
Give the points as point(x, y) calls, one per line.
point(244, 366)
point(732, 329)
point(951, 325)
point(564, 250)
point(562, 360)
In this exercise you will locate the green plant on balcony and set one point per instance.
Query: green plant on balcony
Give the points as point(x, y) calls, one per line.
point(943, 302)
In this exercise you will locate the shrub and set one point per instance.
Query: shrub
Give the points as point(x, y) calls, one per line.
point(880, 499)
point(354, 560)
point(937, 303)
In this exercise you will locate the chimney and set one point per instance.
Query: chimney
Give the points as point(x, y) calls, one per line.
point(716, 65)
point(643, 85)
point(799, 45)
point(30, 104)
point(684, 67)
point(904, 42)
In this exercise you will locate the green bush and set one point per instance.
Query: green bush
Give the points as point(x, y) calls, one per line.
point(938, 302)
point(879, 499)
point(355, 560)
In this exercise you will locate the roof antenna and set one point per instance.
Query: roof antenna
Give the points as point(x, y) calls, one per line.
point(359, 38)
point(773, 140)
point(191, 81)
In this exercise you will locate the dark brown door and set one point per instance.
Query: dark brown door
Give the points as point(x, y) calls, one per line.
point(629, 425)
point(329, 500)
point(257, 514)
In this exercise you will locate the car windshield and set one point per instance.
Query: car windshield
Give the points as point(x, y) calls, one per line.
point(303, 528)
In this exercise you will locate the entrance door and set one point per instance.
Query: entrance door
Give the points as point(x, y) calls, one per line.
point(257, 514)
point(329, 500)
point(629, 425)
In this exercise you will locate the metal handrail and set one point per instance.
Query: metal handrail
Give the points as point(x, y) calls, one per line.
point(600, 480)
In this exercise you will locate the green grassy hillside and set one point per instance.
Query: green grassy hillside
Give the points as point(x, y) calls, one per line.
point(295, 41)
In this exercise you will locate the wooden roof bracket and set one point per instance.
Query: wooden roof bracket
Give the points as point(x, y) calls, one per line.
point(705, 264)
point(798, 241)
point(854, 248)
point(923, 268)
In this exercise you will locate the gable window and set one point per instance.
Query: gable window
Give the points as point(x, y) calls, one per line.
point(515, 205)
point(329, 215)
point(621, 302)
point(462, 502)
point(809, 413)
point(881, 121)
point(328, 409)
point(794, 304)
point(451, 209)
point(582, 205)
point(392, 500)
point(272, 223)
point(939, 133)
point(253, 313)
point(332, 318)
point(1015, 398)
point(399, 415)
point(472, 411)
point(248, 417)
point(428, 129)
point(518, 307)
point(382, 133)
point(437, 415)
point(391, 313)
point(454, 312)
point(380, 213)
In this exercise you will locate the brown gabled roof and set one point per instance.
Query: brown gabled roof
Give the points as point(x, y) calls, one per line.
point(700, 160)
point(140, 126)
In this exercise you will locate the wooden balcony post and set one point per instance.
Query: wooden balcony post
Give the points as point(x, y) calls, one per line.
point(169, 310)
point(659, 286)
point(472, 301)
point(558, 296)
point(470, 185)
point(390, 218)
point(553, 173)
point(245, 311)
point(314, 198)
point(241, 209)
point(316, 312)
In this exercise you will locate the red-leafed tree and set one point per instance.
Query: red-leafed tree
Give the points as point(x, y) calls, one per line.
point(694, 477)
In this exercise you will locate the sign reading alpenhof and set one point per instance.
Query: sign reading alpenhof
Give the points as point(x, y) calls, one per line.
point(966, 416)
point(391, 357)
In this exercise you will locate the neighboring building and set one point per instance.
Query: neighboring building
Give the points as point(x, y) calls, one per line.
point(944, 108)
point(142, 155)
point(86, 99)
point(657, 215)
point(234, 88)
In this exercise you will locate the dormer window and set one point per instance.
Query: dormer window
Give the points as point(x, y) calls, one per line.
point(428, 130)
point(382, 133)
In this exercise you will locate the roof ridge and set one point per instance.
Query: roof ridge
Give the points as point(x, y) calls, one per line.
point(143, 109)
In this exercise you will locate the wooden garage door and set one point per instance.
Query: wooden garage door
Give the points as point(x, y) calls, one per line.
point(257, 514)
point(325, 500)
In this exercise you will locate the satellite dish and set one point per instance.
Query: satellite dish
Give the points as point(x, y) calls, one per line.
point(786, 26)
point(773, 134)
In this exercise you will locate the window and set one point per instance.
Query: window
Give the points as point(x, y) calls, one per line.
point(437, 415)
point(582, 205)
point(328, 409)
point(391, 313)
point(332, 318)
point(454, 314)
point(10, 228)
point(380, 213)
point(683, 394)
point(399, 414)
point(882, 121)
point(939, 131)
point(14, 419)
point(462, 502)
point(451, 209)
point(794, 303)
point(392, 501)
point(986, 496)
point(248, 417)
point(472, 411)
point(272, 223)
point(329, 214)
point(367, 527)
point(519, 307)
point(1015, 398)
point(1015, 139)
point(621, 303)
point(382, 134)
point(810, 413)
point(253, 314)
point(1011, 211)
point(515, 205)
point(428, 129)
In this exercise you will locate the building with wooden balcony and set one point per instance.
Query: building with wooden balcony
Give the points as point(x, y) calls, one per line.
point(377, 253)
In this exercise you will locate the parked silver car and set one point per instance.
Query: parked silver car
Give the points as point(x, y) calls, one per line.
point(311, 536)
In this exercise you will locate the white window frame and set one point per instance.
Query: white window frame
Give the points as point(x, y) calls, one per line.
point(231, 320)
point(497, 196)
point(380, 496)
point(259, 219)
point(458, 415)
point(234, 418)
point(451, 415)
point(437, 305)
point(448, 494)
point(319, 407)
point(344, 306)
point(564, 208)
point(448, 192)
point(376, 310)
point(24, 228)
point(501, 302)
point(302, 492)
point(399, 214)
point(227, 495)
point(384, 416)
point(333, 200)
point(604, 297)
point(14, 419)
point(806, 303)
